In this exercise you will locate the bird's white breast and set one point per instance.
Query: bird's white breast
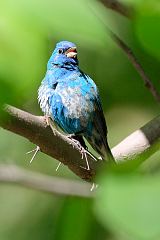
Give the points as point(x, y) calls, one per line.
point(43, 98)
point(77, 104)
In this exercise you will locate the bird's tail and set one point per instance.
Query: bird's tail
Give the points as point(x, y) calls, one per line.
point(100, 145)
point(107, 153)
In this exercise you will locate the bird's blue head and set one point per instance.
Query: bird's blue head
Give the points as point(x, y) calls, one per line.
point(64, 55)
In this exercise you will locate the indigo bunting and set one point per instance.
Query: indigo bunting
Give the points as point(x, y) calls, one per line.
point(71, 99)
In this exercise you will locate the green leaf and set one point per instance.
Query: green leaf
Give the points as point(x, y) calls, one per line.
point(130, 204)
point(75, 219)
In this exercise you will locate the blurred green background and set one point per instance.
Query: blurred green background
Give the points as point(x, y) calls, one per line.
point(29, 30)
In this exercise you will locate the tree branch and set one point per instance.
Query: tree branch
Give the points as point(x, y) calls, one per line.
point(117, 7)
point(38, 181)
point(140, 144)
point(126, 11)
point(34, 128)
point(133, 59)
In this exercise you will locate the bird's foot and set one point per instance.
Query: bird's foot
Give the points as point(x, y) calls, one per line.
point(84, 152)
point(47, 120)
point(71, 135)
point(36, 150)
point(50, 123)
point(82, 149)
point(74, 142)
point(84, 155)
point(54, 131)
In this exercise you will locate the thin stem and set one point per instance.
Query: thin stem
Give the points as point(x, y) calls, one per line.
point(38, 181)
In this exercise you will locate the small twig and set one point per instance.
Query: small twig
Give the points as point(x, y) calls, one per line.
point(38, 181)
point(133, 59)
point(117, 7)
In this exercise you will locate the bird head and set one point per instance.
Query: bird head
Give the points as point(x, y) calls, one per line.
point(64, 55)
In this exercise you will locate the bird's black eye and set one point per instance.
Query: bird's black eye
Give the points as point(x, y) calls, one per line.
point(60, 51)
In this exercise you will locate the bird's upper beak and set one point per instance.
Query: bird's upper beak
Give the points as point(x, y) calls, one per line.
point(71, 52)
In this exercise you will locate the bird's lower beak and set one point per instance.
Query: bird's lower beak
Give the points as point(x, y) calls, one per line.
point(71, 52)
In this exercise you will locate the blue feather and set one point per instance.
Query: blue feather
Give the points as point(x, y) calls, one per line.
point(71, 99)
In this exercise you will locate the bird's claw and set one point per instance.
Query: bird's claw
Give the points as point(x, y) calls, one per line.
point(84, 155)
point(86, 168)
point(54, 131)
point(75, 143)
point(84, 152)
point(47, 120)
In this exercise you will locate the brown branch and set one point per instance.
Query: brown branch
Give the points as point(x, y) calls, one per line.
point(144, 140)
point(118, 7)
point(35, 129)
point(127, 12)
point(133, 59)
point(38, 181)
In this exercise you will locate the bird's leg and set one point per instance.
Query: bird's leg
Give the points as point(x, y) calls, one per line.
point(75, 142)
point(79, 142)
point(71, 139)
point(51, 124)
point(47, 119)
point(71, 135)
point(84, 154)
point(36, 150)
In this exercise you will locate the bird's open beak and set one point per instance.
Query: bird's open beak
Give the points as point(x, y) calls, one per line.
point(71, 52)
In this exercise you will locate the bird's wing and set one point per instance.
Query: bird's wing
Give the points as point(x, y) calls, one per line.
point(101, 128)
point(46, 91)
point(99, 119)
point(98, 137)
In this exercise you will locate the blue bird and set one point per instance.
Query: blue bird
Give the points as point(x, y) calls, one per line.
point(71, 99)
